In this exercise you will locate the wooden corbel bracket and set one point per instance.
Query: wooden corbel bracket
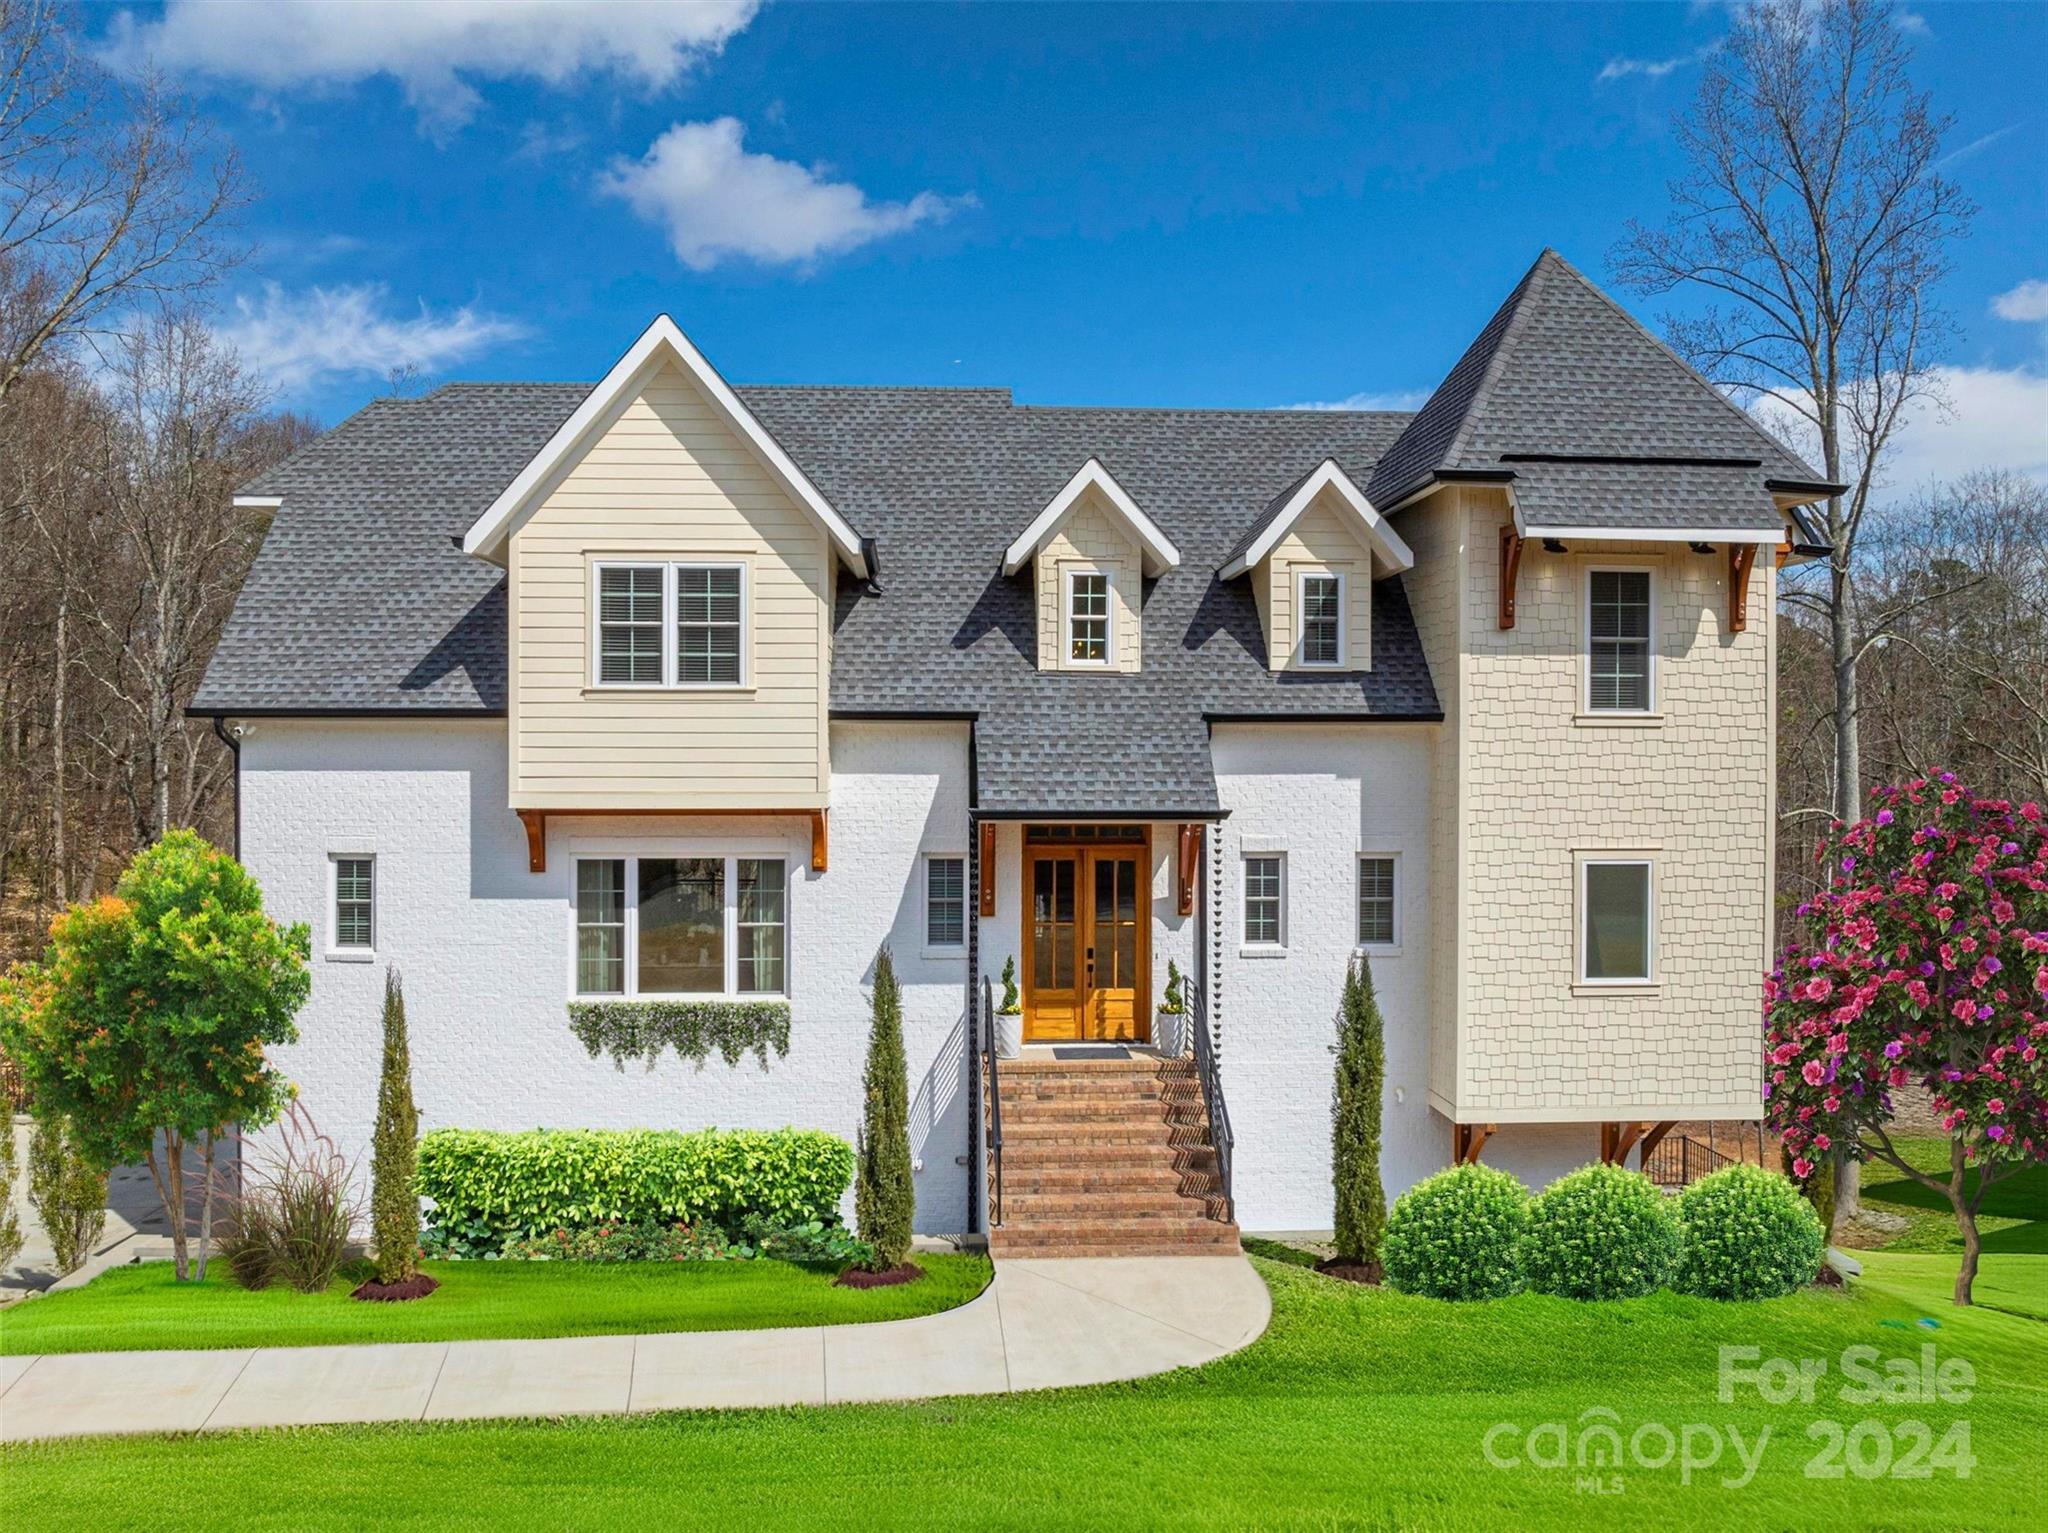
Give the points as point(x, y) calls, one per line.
point(1511, 543)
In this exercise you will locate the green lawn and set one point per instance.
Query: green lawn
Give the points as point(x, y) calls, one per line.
point(143, 1307)
point(2013, 1219)
point(1359, 1408)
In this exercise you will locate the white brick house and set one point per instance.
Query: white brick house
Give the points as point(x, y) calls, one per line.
point(660, 688)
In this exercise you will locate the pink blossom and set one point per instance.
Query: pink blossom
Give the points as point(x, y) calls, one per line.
point(1812, 1073)
point(1802, 1168)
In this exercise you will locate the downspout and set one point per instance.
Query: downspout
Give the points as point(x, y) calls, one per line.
point(977, 1169)
point(220, 729)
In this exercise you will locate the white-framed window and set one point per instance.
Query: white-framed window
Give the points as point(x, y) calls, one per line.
point(1319, 598)
point(1265, 912)
point(706, 926)
point(352, 887)
point(1621, 624)
point(1090, 635)
point(1617, 919)
point(678, 625)
point(945, 901)
point(1379, 904)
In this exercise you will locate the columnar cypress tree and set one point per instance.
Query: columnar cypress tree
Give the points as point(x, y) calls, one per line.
point(1355, 1107)
point(883, 1198)
point(394, 1151)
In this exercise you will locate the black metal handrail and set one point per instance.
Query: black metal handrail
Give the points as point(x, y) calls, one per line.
point(990, 1052)
point(1679, 1162)
point(1220, 1137)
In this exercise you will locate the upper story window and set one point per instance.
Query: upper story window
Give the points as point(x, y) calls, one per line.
point(1321, 598)
point(354, 904)
point(682, 926)
point(1620, 617)
point(1088, 618)
point(700, 607)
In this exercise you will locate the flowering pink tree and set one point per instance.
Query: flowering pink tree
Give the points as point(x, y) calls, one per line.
point(1927, 965)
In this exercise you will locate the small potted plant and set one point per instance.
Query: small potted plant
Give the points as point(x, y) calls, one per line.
point(1010, 1014)
point(1170, 1032)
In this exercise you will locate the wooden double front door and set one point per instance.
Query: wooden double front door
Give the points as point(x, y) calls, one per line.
point(1087, 943)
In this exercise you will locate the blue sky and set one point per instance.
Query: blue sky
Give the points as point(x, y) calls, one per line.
point(1156, 205)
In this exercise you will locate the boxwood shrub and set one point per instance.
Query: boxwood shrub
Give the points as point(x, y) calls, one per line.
point(1455, 1235)
point(1749, 1234)
point(1603, 1232)
point(492, 1187)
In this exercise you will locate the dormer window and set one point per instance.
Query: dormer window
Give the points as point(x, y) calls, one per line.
point(1088, 618)
point(671, 625)
point(1090, 552)
point(1322, 619)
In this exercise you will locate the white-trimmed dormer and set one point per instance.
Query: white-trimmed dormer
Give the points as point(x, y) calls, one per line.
point(669, 585)
point(1312, 558)
point(1091, 549)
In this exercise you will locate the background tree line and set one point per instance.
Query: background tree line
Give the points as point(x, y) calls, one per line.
point(124, 426)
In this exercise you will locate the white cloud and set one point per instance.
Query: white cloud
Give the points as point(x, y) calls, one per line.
point(1912, 23)
point(1957, 156)
point(2026, 303)
point(431, 47)
point(293, 339)
point(1621, 68)
point(717, 201)
point(1997, 418)
point(1993, 417)
point(1399, 399)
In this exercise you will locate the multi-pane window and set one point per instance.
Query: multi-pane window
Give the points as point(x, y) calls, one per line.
point(601, 926)
point(1376, 902)
point(629, 625)
point(700, 607)
point(707, 625)
point(1262, 900)
point(945, 901)
point(1616, 921)
point(353, 902)
point(763, 925)
point(1618, 641)
point(682, 926)
point(1322, 626)
point(1088, 619)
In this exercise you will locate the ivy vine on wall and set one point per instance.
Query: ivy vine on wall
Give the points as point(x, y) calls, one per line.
point(694, 1029)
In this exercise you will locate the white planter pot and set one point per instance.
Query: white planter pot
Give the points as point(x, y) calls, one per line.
point(1170, 1033)
point(1009, 1034)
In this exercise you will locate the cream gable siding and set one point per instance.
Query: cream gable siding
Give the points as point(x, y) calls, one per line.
point(1088, 538)
point(1319, 542)
point(1532, 784)
point(665, 480)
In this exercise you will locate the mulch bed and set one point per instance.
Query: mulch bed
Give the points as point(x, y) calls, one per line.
point(855, 1277)
point(1368, 1273)
point(392, 1293)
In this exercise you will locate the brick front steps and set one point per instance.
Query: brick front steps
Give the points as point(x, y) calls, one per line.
point(1108, 1157)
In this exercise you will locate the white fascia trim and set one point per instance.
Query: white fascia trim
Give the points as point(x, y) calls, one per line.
point(1159, 552)
point(1649, 534)
point(486, 536)
point(1373, 528)
point(257, 502)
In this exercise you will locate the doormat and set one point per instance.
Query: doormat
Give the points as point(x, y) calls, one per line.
point(1100, 1051)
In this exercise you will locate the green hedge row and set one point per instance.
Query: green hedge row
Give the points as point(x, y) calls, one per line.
point(535, 1182)
point(1602, 1232)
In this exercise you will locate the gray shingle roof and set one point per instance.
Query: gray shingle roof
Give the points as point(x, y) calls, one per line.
point(361, 599)
point(1709, 497)
point(1562, 371)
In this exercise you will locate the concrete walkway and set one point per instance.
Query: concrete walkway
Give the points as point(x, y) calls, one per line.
point(1039, 1325)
